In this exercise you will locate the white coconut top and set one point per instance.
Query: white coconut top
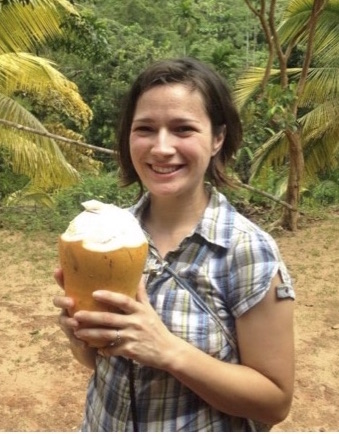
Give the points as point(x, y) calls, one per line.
point(104, 227)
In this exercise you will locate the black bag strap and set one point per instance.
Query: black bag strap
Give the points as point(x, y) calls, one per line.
point(132, 396)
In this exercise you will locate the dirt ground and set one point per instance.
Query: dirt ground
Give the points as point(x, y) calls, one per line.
point(43, 388)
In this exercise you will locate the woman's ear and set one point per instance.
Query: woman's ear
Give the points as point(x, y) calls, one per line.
point(218, 140)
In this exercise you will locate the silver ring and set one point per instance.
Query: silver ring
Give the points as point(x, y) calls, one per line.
point(117, 339)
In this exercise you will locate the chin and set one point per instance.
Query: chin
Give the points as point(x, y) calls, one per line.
point(163, 191)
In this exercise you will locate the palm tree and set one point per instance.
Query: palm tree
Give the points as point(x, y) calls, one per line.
point(23, 73)
point(307, 141)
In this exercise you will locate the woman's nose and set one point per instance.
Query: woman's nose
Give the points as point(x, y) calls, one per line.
point(163, 144)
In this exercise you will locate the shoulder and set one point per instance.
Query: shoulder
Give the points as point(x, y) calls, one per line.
point(249, 237)
point(227, 227)
point(252, 259)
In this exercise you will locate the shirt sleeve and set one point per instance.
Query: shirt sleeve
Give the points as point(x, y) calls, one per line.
point(255, 260)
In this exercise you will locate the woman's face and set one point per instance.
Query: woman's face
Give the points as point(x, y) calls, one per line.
point(171, 141)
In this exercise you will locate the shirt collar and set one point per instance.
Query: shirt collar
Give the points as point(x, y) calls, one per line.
point(216, 224)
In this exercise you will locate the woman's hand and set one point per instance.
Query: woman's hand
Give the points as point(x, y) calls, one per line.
point(67, 324)
point(136, 333)
point(85, 355)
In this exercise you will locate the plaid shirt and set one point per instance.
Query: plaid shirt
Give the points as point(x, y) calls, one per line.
point(230, 262)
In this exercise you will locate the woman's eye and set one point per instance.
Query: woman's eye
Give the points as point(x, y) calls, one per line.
point(143, 129)
point(184, 129)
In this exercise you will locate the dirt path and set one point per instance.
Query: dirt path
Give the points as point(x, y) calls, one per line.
point(43, 388)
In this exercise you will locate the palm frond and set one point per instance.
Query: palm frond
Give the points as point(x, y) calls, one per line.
point(33, 23)
point(320, 137)
point(30, 195)
point(318, 104)
point(17, 70)
point(249, 83)
point(319, 157)
point(322, 85)
point(320, 120)
point(272, 153)
point(295, 17)
point(28, 73)
point(326, 38)
point(38, 157)
point(320, 132)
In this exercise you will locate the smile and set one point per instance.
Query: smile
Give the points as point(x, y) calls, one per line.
point(164, 170)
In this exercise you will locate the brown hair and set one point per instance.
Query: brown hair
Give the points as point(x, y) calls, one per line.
point(218, 103)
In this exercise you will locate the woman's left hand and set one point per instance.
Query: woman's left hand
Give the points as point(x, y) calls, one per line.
point(137, 333)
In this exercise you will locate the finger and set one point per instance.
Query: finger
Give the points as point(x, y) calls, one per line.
point(108, 351)
point(119, 301)
point(68, 322)
point(59, 277)
point(105, 352)
point(106, 337)
point(100, 319)
point(63, 302)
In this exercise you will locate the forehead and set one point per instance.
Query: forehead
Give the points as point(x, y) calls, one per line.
point(172, 97)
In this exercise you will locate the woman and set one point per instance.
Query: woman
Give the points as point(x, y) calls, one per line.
point(210, 335)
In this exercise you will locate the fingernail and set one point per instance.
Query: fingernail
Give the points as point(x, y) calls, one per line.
point(98, 293)
point(78, 315)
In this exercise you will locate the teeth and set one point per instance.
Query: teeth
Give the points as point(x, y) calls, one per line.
point(164, 169)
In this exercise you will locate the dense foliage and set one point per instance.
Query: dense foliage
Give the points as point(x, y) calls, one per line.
point(112, 41)
point(103, 47)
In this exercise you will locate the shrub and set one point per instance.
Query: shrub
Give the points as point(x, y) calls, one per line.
point(68, 204)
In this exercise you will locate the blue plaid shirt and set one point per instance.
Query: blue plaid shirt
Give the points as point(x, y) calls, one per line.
point(230, 263)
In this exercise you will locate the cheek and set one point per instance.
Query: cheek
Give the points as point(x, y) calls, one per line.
point(136, 151)
point(132, 145)
point(199, 150)
point(134, 154)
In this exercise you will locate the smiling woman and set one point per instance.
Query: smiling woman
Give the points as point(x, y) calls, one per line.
point(216, 102)
point(209, 339)
point(171, 142)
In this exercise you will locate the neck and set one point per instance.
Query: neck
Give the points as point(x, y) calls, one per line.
point(169, 221)
point(171, 212)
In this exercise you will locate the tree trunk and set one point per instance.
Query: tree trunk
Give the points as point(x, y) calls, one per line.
point(296, 170)
point(296, 155)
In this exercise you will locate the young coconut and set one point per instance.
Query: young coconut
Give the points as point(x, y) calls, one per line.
point(104, 247)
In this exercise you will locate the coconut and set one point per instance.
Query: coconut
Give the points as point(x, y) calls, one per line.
point(103, 247)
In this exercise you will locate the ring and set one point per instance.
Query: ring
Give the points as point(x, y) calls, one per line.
point(117, 339)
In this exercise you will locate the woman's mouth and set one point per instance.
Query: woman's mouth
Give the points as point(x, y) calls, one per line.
point(164, 169)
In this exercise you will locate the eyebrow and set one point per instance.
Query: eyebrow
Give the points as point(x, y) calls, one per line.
point(175, 120)
point(143, 120)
